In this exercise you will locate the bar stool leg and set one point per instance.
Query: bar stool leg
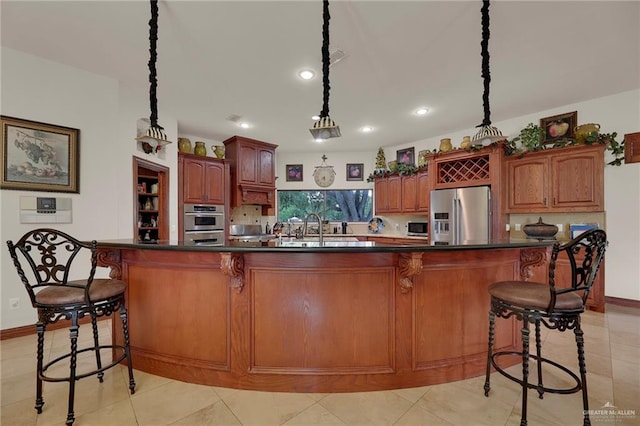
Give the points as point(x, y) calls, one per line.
point(525, 367)
point(127, 350)
point(73, 336)
point(96, 345)
point(40, 328)
point(492, 325)
point(583, 372)
point(540, 387)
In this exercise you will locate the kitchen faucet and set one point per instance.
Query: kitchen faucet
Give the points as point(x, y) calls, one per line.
point(306, 220)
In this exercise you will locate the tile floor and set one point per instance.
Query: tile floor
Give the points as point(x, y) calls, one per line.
point(613, 364)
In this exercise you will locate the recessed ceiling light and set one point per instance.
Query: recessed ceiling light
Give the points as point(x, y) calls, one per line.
point(244, 125)
point(366, 129)
point(315, 118)
point(422, 111)
point(306, 74)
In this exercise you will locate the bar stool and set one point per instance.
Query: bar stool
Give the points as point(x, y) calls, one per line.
point(50, 254)
point(556, 308)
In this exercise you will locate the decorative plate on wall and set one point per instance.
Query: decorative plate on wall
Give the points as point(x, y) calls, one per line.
point(376, 225)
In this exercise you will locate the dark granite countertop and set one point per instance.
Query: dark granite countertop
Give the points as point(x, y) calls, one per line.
point(333, 247)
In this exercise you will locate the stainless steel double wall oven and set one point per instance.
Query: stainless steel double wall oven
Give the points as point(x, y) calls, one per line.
point(204, 224)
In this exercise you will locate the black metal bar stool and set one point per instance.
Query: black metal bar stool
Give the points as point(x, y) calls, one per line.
point(556, 308)
point(49, 254)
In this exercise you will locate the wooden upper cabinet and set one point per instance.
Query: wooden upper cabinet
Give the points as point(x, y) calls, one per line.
point(253, 171)
point(528, 183)
point(203, 180)
point(388, 195)
point(559, 180)
point(415, 193)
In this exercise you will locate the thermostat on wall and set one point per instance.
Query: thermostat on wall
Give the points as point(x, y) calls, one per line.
point(45, 210)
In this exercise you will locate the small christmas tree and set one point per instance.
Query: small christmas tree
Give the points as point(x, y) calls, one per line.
point(381, 162)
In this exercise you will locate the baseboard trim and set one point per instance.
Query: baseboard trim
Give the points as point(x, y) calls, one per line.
point(622, 302)
point(26, 330)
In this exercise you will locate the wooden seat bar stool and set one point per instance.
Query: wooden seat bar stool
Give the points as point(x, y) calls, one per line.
point(50, 254)
point(557, 307)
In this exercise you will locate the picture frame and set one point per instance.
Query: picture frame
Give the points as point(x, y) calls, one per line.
point(406, 156)
point(355, 171)
point(294, 172)
point(39, 156)
point(559, 126)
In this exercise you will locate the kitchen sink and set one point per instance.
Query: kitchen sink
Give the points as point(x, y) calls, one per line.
point(327, 242)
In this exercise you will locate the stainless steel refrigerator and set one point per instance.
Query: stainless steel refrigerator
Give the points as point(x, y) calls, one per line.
point(460, 216)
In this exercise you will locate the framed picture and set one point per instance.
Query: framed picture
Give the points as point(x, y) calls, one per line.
point(406, 156)
point(355, 171)
point(39, 156)
point(559, 126)
point(294, 172)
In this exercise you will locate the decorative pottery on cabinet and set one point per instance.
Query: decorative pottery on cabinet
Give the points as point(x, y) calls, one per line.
point(200, 149)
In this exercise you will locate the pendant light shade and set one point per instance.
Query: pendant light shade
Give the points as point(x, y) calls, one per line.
point(325, 127)
point(150, 134)
point(487, 132)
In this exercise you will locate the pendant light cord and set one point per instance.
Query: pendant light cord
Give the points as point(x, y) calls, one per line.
point(325, 59)
point(486, 74)
point(153, 38)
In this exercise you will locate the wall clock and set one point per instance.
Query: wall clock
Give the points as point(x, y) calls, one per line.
point(324, 175)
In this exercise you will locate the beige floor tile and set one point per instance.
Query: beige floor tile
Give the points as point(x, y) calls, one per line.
point(215, 414)
point(21, 346)
point(458, 404)
point(411, 394)
point(418, 416)
point(622, 352)
point(314, 415)
point(367, 408)
point(265, 408)
point(20, 413)
point(119, 414)
point(171, 402)
point(16, 388)
point(144, 381)
point(626, 372)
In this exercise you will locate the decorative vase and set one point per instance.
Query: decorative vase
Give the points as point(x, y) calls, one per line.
point(200, 149)
point(218, 150)
point(445, 145)
point(540, 230)
point(584, 130)
point(184, 145)
point(466, 142)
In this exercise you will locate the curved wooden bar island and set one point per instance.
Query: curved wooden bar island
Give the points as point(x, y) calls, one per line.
point(314, 319)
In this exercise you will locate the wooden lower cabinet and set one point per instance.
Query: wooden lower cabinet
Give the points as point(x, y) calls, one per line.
point(312, 321)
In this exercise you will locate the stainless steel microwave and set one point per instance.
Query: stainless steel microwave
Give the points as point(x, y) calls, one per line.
point(418, 229)
point(203, 218)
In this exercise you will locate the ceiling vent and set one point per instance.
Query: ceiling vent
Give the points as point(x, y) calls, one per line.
point(234, 118)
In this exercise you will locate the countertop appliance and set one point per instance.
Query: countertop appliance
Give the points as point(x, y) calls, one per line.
point(460, 215)
point(204, 224)
point(418, 229)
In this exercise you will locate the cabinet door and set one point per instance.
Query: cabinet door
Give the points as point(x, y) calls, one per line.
point(267, 169)
point(578, 181)
point(423, 193)
point(247, 164)
point(381, 195)
point(528, 186)
point(193, 188)
point(394, 193)
point(409, 193)
point(214, 183)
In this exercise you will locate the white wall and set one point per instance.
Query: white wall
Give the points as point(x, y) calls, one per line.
point(106, 114)
point(40, 90)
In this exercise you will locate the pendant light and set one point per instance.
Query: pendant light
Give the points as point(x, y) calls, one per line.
point(325, 127)
point(150, 134)
point(487, 131)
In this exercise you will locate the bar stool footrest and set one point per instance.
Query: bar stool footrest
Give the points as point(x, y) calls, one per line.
point(564, 391)
point(116, 361)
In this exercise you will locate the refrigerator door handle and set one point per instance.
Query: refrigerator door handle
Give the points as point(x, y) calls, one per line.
point(453, 223)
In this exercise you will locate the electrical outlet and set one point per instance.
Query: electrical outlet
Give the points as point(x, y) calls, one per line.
point(560, 227)
point(507, 227)
point(518, 227)
point(14, 303)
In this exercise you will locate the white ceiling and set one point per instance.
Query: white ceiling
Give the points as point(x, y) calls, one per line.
point(219, 58)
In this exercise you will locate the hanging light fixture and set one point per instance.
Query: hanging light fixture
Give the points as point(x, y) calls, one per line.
point(325, 127)
point(150, 134)
point(487, 131)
